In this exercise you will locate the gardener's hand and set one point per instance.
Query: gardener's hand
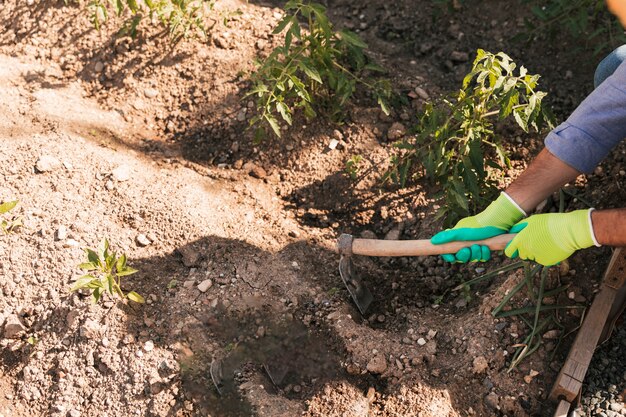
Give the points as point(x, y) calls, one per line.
point(495, 220)
point(550, 238)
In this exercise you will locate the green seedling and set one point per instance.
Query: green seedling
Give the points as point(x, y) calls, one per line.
point(105, 272)
point(9, 225)
point(352, 166)
point(316, 70)
point(180, 17)
point(456, 143)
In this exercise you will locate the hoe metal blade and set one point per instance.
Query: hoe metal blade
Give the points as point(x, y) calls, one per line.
point(358, 291)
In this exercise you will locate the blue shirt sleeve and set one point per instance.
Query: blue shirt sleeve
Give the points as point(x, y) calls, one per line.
point(596, 126)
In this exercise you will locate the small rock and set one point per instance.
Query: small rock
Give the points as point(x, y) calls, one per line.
point(150, 92)
point(294, 233)
point(377, 365)
point(432, 333)
point(480, 270)
point(528, 378)
point(90, 329)
point(492, 401)
point(99, 66)
point(191, 257)
point(396, 131)
point(393, 234)
point(121, 173)
point(71, 317)
point(421, 341)
point(458, 56)
point(205, 285)
point(61, 233)
point(47, 163)
point(480, 365)
point(142, 240)
point(551, 334)
point(148, 346)
point(333, 144)
point(13, 327)
point(368, 234)
point(421, 93)
point(74, 413)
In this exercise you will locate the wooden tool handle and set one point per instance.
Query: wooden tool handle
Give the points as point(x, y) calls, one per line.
point(375, 247)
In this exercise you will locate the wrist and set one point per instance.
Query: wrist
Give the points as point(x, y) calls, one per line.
point(503, 213)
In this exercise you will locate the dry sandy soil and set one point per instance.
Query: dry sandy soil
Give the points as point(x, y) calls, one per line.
point(147, 146)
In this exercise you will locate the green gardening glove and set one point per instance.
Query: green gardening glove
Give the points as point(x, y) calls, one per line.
point(495, 220)
point(550, 238)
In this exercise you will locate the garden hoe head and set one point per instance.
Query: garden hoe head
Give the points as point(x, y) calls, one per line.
point(348, 246)
point(358, 291)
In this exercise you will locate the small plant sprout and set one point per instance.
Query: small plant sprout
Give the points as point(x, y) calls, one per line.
point(105, 272)
point(9, 225)
point(352, 166)
point(180, 17)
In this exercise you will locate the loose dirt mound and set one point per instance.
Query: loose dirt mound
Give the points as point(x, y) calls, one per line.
point(234, 240)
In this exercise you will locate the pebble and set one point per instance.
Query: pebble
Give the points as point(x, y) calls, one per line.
point(480, 365)
point(74, 413)
point(396, 131)
point(377, 365)
point(142, 240)
point(492, 400)
point(191, 257)
point(150, 92)
point(421, 341)
point(47, 163)
point(99, 66)
point(90, 329)
point(13, 327)
point(148, 346)
point(122, 173)
point(458, 56)
point(61, 233)
point(205, 285)
point(421, 93)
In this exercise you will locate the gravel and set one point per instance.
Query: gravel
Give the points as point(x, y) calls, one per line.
point(605, 383)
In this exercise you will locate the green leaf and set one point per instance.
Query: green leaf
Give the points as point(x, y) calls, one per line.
point(352, 39)
point(120, 265)
point(95, 295)
point(82, 282)
point(8, 206)
point(310, 71)
point(88, 266)
point(133, 6)
point(282, 24)
point(126, 271)
point(93, 257)
point(133, 296)
point(271, 120)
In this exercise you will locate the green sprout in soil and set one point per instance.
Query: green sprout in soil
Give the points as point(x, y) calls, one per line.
point(8, 225)
point(105, 272)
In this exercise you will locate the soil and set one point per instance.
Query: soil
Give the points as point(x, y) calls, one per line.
point(147, 146)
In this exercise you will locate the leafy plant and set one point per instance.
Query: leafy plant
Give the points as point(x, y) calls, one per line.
point(10, 224)
point(316, 69)
point(181, 17)
point(105, 272)
point(456, 142)
point(587, 19)
point(352, 166)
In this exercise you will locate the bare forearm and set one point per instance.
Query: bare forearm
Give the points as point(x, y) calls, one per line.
point(609, 226)
point(545, 175)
